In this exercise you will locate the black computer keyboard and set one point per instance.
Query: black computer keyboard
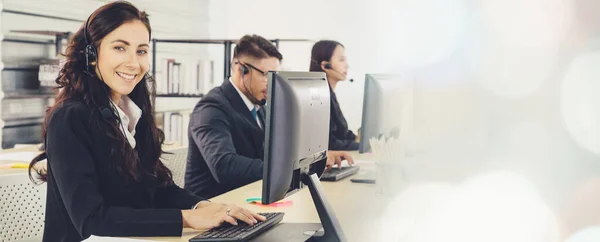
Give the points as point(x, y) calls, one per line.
point(336, 174)
point(241, 232)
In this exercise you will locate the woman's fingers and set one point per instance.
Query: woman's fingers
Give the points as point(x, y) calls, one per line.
point(229, 219)
point(256, 215)
point(238, 213)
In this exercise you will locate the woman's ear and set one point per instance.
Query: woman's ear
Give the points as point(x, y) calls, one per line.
point(324, 65)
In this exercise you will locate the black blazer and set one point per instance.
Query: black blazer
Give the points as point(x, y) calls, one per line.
point(86, 196)
point(340, 137)
point(226, 144)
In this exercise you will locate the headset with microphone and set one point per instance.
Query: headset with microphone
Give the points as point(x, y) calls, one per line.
point(329, 67)
point(245, 70)
point(91, 58)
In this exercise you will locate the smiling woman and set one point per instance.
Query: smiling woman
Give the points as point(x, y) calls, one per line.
point(103, 148)
point(124, 57)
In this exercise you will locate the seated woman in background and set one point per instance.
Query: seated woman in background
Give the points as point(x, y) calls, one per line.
point(329, 56)
point(104, 175)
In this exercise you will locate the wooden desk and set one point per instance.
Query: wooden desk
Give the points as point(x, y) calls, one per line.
point(357, 206)
point(3, 171)
point(34, 148)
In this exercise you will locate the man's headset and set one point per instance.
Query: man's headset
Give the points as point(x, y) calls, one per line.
point(245, 70)
point(329, 67)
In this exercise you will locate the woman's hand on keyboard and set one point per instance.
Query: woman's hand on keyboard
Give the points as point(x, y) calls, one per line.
point(209, 215)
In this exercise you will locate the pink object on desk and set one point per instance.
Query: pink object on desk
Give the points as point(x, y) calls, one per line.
point(276, 204)
point(257, 201)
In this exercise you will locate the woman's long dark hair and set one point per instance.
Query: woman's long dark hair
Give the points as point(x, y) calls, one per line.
point(76, 83)
point(322, 51)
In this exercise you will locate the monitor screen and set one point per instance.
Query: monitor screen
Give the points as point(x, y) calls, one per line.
point(296, 131)
point(387, 104)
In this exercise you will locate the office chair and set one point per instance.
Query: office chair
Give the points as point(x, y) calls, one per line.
point(176, 162)
point(22, 208)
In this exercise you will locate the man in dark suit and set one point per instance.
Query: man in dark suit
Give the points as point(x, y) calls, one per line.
point(226, 132)
point(226, 128)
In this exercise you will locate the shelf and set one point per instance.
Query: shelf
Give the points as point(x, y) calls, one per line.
point(28, 41)
point(21, 65)
point(30, 94)
point(180, 95)
point(43, 32)
point(168, 104)
point(190, 41)
point(219, 41)
point(176, 110)
point(23, 122)
point(59, 36)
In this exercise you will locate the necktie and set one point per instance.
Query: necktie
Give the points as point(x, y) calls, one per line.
point(254, 113)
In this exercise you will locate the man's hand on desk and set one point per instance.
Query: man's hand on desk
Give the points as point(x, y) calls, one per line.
point(335, 157)
point(210, 215)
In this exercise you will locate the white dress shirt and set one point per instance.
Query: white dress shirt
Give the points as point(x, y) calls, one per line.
point(130, 114)
point(248, 103)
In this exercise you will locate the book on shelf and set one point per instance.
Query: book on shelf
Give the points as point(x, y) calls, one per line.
point(175, 126)
point(184, 77)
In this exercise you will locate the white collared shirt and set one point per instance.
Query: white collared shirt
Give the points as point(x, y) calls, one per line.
point(130, 114)
point(248, 103)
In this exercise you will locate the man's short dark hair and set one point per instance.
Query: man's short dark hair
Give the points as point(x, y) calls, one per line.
point(257, 47)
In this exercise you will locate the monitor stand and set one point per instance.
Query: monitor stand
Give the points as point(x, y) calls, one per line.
point(331, 225)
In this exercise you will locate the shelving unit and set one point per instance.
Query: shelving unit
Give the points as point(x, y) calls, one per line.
point(42, 92)
point(166, 117)
point(227, 43)
point(24, 98)
point(59, 37)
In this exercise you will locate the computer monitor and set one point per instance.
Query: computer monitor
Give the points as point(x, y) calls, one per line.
point(386, 105)
point(296, 141)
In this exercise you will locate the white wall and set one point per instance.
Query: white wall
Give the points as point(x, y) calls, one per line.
point(178, 18)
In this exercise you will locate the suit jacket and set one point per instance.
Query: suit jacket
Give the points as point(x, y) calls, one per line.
point(226, 144)
point(86, 196)
point(340, 137)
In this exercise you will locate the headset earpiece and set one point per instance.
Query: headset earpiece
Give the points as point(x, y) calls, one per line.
point(328, 66)
point(244, 69)
point(91, 56)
